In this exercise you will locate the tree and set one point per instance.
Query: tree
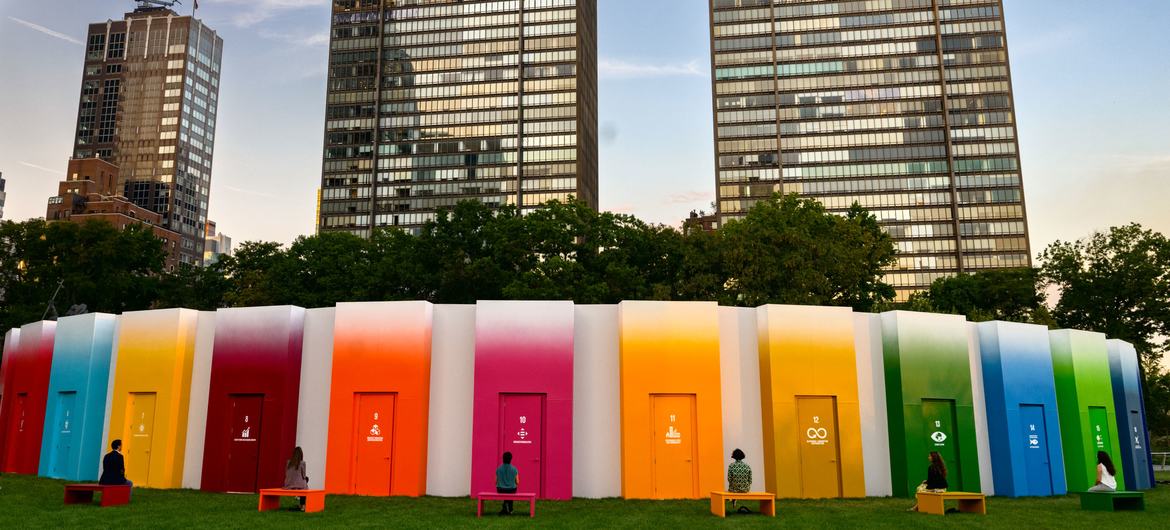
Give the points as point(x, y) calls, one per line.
point(789, 250)
point(1005, 294)
point(95, 264)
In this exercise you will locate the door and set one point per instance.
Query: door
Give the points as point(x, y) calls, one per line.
point(522, 434)
point(1035, 444)
point(63, 426)
point(139, 436)
point(1101, 440)
point(17, 424)
point(820, 470)
point(373, 439)
point(1141, 464)
point(243, 458)
point(674, 452)
point(939, 428)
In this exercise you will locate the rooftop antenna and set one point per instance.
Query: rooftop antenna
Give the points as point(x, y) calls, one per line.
point(147, 4)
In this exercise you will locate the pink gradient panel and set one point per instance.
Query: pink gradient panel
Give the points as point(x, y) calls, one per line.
point(524, 395)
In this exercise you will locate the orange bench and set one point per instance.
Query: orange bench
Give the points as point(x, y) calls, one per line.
point(719, 501)
point(932, 502)
point(270, 499)
point(530, 498)
point(83, 494)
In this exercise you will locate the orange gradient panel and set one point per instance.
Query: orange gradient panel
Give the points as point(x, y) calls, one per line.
point(672, 421)
point(808, 389)
point(379, 399)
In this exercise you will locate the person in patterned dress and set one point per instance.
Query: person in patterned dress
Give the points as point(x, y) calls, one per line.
point(739, 477)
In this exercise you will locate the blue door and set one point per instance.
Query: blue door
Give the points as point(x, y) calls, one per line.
point(1036, 465)
point(64, 425)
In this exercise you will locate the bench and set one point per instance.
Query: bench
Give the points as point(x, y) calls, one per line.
point(932, 502)
point(270, 499)
point(83, 494)
point(1110, 501)
point(719, 501)
point(530, 498)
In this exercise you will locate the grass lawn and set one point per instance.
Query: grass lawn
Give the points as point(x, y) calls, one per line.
point(37, 502)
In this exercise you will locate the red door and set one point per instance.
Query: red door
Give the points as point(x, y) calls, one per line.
point(522, 434)
point(373, 439)
point(243, 460)
point(17, 424)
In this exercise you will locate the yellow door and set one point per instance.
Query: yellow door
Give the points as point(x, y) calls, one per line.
point(675, 467)
point(820, 468)
point(138, 437)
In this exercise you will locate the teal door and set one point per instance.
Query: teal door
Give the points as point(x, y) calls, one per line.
point(64, 425)
point(939, 427)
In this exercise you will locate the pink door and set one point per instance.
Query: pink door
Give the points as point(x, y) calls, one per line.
point(243, 461)
point(522, 434)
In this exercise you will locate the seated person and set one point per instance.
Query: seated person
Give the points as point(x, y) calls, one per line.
point(295, 476)
point(114, 467)
point(739, 477)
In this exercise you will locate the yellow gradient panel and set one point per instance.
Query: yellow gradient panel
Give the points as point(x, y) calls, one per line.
point(672, 421)
point(151, 393)
point(808, 389)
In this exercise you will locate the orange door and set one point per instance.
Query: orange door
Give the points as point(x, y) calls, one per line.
point(675, 470)
point(373, 439)
point(243, 459)
point(138, 437)
point(820, 468)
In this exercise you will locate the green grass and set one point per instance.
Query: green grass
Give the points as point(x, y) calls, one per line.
point(31, 502)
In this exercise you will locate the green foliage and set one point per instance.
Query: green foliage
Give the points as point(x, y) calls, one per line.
point(1006, 294)
point(96, 264)
point(1118, 283)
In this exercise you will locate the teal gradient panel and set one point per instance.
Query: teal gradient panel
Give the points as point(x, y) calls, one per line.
point(928, 399)
point(1084, 393)
point(1023, 421)
point(71, 447)
point(1131, 415)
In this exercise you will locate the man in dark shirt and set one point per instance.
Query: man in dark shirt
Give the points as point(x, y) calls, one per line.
point(114, 467)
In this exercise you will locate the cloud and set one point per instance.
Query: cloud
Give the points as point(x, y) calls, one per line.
point(313, 40)
point(41, 29)
point(251, 12)
point(248, 192)
point(688, 197)
point(42, 168)
point(615, 68)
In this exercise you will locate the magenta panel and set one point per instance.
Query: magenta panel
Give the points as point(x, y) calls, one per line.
point(524, 395)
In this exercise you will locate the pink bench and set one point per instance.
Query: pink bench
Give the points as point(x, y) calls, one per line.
point(83, 494)
point(530, 498)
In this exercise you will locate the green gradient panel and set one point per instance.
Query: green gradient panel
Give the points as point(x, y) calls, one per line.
point(928, 399)
point(1084, 397)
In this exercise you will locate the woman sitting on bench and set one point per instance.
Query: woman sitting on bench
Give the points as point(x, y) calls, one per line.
point(1106, 474)
point(295, 477)
point(936, 477)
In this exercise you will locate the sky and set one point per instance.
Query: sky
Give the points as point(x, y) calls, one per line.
point(1091, 87)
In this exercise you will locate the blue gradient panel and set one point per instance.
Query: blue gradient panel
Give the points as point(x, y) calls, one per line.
point(1023, 422)
point(1131, 415)
point(71, 447)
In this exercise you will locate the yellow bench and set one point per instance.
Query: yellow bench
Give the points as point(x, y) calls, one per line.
point(719, 501)
point(933, 502)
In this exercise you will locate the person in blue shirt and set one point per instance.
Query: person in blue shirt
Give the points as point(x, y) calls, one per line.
point(507, 479)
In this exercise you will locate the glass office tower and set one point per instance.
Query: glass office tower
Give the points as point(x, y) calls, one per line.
point(902, 106)
point(431, 102)
point(148, 103)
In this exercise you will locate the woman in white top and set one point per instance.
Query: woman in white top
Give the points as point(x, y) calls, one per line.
point(1106, 473)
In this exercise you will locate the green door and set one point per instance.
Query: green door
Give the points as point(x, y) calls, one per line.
point(1102, 441)
point(939, 429)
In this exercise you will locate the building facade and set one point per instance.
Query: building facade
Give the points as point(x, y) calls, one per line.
point(431, 102)
point(90, 191)
point(902, 106)
point(148, 105)
point(216, 244)
point(3, 195)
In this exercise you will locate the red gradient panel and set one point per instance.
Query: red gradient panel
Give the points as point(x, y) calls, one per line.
point(26, 389)
point(253, 396)
point(524, 395)
point(379, 399)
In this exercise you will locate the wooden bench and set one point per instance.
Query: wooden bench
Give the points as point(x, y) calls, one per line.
point(719, 501)
point(270, 499)
point(932, 502)
point(1110, 501)
point(530, 498)
point(83, 494)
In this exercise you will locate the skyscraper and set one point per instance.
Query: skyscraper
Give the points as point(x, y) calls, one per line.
point(430, 103)
point(3, 195)
point(902, 106)
point(148, 101)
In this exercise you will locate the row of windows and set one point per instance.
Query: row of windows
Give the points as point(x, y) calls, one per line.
point(800, 69)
